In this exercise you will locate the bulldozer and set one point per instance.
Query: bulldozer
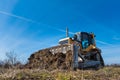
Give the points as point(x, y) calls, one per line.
point(84, 53)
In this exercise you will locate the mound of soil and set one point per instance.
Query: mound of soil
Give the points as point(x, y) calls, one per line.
point(44, 59)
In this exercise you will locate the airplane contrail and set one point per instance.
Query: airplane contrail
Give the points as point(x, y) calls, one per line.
point(33, 21)
point(30, 20)
point(102, 42)
point(18, 17)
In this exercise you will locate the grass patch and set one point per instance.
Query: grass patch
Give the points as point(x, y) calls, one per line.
point(107, 73)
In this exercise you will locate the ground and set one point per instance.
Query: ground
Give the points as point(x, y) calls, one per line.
point(107, 73)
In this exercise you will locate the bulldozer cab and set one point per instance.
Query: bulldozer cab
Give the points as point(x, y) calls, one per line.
point(86, 40)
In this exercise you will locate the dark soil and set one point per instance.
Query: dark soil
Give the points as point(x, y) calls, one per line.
point(44, 59)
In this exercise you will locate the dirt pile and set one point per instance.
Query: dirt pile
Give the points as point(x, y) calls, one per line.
point(44, 59)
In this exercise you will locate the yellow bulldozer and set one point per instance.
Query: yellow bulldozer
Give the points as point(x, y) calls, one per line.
point(84, 53)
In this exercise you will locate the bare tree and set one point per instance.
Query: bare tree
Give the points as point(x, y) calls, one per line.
point(11, 58)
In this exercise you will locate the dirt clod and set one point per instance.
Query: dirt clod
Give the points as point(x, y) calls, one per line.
point(44, 59)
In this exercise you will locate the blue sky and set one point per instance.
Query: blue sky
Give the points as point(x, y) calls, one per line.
point(29, 25)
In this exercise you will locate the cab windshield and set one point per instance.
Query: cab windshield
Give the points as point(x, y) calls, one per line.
point(86, 40)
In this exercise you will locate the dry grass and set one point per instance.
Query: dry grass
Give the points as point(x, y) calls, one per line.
point(107, 73)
